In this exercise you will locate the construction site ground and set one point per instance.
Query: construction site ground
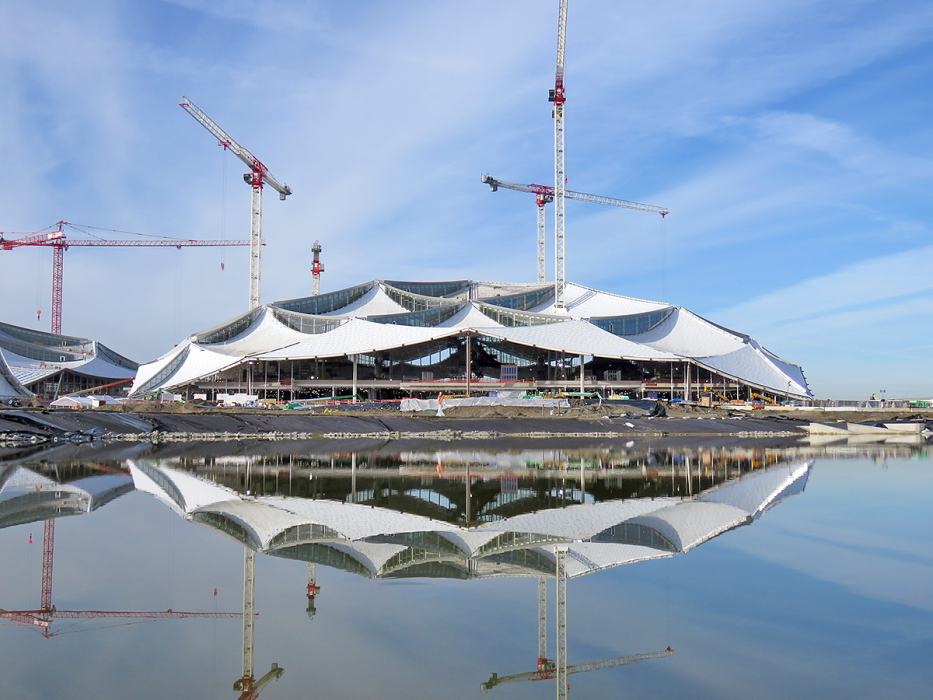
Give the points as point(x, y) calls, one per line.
point(168, 418)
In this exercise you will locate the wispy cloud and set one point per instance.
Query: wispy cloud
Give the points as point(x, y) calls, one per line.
point(886, 279)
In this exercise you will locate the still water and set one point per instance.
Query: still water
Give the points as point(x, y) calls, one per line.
point(770, 572)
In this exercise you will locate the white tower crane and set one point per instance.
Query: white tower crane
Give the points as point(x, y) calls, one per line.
point(258, 175)
point(544, 194)
point(557, 97)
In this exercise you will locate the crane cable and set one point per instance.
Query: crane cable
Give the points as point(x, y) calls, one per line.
point(223, 210)
point(39, 283)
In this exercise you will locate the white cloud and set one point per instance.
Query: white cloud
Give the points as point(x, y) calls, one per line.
point(884, 279)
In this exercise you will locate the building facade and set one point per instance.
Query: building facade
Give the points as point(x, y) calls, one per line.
point(389, 339)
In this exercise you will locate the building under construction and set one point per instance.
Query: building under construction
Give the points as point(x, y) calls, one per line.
point(46, 365)
point(391, 339)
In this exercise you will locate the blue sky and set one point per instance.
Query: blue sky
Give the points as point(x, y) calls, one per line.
point(790, 141)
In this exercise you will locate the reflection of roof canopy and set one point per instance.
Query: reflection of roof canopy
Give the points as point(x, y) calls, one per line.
point(383, 543)
point(28, 357)
point(520, 319)
point(27, 496)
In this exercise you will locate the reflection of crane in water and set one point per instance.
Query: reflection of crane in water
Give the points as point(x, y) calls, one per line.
point(558, 669)
point(43, 617)
point(540, 675)
point(313, 589)
point(246, 685)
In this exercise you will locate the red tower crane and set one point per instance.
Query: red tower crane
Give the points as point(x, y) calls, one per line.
point(59, 243)
point(544, 194)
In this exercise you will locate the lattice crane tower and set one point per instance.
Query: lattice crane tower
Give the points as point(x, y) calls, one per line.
point(557, 97)
point(258, 175)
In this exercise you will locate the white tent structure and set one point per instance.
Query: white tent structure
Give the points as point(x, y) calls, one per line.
point(383, 543)
point(425, 336)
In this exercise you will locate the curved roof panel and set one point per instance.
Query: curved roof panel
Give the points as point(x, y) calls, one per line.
point(374, 303)
point(28, 356)
point(751, 365)
point(584, 302)
point(688, 335)
point(356, 337)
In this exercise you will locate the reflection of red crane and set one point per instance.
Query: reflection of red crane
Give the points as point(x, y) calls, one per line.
point(313, 589)
point(43, 617)
point(58, 242)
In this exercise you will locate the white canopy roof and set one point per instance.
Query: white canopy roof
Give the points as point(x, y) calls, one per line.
point(344, 328)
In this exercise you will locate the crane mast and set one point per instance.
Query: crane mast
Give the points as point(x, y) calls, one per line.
point(313, 589)
point(560, 658)
point(258, 175)
point(557, 97)
point(249, 600)
point(558, 669)
point(247, 685)
point(544, 194)
point(317, 267)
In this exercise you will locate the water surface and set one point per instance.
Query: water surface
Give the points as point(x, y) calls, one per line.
point(823, 591)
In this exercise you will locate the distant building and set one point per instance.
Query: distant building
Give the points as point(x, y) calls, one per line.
point(34, 363)
point(387, 339)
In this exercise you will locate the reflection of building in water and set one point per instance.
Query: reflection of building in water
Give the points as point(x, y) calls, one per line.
point(381, 542)
point(501, 484)
point(404, 542)
point(29, 496)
